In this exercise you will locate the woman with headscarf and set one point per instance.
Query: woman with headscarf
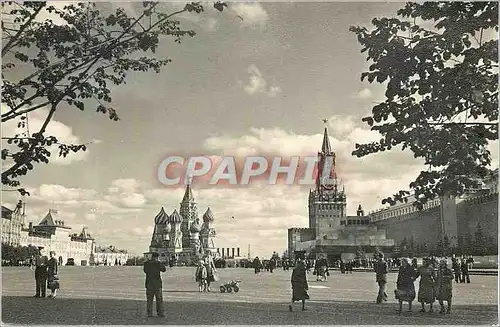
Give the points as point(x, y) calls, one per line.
point(52, 278)
point(426, 285)
point(210, 266)
point(444, 285)
point(405, 291)
point(299, 285)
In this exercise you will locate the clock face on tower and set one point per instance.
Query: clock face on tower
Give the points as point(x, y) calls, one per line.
point(328, 187)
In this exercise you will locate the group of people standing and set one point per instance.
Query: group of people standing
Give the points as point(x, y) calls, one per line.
point(46, 270)
point(321, 270)
point(461, 269)
point(206, 273)
point(435, 284)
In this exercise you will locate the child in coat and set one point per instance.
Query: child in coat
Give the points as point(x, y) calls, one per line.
point(201, 276)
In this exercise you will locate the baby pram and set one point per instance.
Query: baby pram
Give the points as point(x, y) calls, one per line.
point(232, 285)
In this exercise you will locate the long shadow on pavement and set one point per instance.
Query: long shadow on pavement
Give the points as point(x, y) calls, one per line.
point(69, 311)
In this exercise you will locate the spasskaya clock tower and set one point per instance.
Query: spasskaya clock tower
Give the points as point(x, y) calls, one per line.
point(327, 203)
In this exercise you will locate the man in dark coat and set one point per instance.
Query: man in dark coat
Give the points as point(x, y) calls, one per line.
point(40, 264)
point(152, 269)
point(464, 269)
point(456, 268)
point(257, 265)
point(380, 268)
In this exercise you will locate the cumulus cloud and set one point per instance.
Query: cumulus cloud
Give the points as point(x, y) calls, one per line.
point(249, 15)
point(252, 14)
point(52, 192)
point(258, 84)
point(61, 131)
point(364, 94)
point(126, 185)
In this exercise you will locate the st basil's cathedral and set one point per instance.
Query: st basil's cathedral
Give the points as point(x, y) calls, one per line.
point(181, 235)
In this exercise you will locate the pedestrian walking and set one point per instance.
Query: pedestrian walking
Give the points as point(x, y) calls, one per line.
point(321, 269)
point(455, 264)
point(40, 265)
point(380, 268)
point(427, 283)
point(405, 291)
point(257, 265)
point(201, 276)
point(299, 285)
point(52, 277)
point(444, 285)
point(152, 269)
point(342, 267)
point(464, 269)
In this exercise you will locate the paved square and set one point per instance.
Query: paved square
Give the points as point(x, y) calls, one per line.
point(116, 295)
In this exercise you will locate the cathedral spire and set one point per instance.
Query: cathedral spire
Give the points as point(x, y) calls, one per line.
point(188, 194)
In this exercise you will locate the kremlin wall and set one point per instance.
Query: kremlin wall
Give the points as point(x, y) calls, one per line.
point(426, 227)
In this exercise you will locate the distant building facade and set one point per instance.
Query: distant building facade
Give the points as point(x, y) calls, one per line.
point(331, 231)
point(181, 235)
point(52, 234)
point(12, 223)
point(109, 256)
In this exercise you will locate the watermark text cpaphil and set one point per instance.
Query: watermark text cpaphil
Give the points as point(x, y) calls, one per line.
point(230, 170)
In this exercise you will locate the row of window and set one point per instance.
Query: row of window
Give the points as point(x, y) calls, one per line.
point(355, 222)
point(330, 206)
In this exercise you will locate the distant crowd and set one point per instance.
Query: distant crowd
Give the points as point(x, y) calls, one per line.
point(434, 274)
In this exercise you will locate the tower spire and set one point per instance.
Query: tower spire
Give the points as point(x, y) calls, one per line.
point(325, 147)
point(188, 194)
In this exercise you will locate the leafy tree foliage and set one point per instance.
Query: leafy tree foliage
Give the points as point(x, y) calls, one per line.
point(439, 62)
point(15, 254)
point(74, 63)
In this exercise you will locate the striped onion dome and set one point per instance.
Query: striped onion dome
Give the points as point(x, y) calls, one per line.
point(161, 217)
point(175, 217)
point(195, 226)
point(208, 216)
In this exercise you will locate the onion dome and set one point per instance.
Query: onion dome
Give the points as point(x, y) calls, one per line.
point(208, 216)
point(195, 226)
point(175, 217)
point(161, 217)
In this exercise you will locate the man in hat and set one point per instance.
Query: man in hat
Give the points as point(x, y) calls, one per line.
point(381, 277)
point(40, 264)
point(152, 269)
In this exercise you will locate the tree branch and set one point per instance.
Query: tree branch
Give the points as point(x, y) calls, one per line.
point(21, 30)
point(449, 123)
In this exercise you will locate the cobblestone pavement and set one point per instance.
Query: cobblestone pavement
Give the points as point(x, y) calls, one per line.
point(116, 295)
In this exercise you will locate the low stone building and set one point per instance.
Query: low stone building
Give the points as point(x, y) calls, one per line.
point(110, 256)
point(51, 233)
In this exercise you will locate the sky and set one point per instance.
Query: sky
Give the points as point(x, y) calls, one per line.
point(248, 85)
